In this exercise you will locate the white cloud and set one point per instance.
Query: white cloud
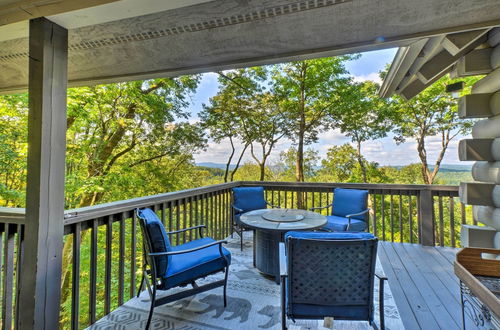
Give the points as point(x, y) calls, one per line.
point(383, 151)
point(370, 76)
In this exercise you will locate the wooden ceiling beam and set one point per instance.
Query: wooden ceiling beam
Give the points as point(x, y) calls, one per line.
point(454, 43)
point(444, 60)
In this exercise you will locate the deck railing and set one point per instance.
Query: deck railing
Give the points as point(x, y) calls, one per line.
point(103, 247)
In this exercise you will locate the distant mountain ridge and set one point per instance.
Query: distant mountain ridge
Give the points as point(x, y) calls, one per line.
point(443, 168)
point(215, 165)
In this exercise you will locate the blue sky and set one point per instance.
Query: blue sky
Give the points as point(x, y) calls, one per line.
point(384, 151)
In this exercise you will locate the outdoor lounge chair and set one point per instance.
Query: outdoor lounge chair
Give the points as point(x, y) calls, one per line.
point(349, 210)
point(167, 266)
point(246, 199)
point(329, 275)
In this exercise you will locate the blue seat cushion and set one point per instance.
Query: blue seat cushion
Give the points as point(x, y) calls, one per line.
point(328, 236)
point(335, 223)
point(350, 201)
point(158, 237)
point(190, 266)
point(249, 198)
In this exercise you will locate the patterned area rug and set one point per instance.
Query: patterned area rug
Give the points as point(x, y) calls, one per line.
point(253, 303)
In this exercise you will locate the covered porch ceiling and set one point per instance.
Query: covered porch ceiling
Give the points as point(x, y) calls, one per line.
point(113, 41)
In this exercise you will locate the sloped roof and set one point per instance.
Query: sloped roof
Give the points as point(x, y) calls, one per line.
point(418, 65)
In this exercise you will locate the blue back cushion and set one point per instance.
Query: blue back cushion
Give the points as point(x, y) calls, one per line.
point(249, 198)
point(350, 201)
point(159, 238)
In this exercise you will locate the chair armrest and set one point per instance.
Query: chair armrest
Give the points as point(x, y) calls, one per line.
point(320, 207)
point(349, 216)
point(237, 209)
point(273, 206)
point(380, 277)
point(171, 253)
point(200, 227)
point(283, 263)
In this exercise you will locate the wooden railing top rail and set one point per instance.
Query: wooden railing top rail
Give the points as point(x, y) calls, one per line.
point(372, 186)
point(12, 215)
point(97, 211)
point(16, 215)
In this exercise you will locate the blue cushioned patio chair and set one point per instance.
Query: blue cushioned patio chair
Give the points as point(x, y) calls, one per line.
point(349, 210)
point(247, 199)
point(167, 266)
point(329, 275)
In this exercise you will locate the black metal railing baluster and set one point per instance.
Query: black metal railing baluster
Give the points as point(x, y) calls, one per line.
point(121, 260)
point(93, 272)
point(133, 248)
point(108, 264)
point(75, 288)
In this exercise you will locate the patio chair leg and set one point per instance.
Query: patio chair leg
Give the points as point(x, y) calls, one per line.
point(254, 262)
point(225, 286)
point(139, 289)
point(283, 302)
point(381, 303)
point(241, 240)
point(150, 316)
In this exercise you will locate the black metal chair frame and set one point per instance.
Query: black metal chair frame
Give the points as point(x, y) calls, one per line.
point(239, 229)
point(284, 271)
point(150, 276)
point(349, 216)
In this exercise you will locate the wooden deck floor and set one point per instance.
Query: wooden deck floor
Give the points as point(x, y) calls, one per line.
point(423, 284)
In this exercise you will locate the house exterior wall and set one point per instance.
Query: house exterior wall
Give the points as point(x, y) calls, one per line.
point(484, 149)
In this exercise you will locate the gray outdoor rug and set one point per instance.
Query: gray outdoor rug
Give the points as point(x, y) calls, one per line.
point(253, 303)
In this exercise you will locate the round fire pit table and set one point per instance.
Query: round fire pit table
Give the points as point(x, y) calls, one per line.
point(270, 226)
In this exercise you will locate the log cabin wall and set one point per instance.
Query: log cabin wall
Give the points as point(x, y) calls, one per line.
point(484, 147)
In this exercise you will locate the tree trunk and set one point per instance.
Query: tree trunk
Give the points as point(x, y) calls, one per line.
point(262, 171)
point(239, 161)
point(361, 162)
point(422, 154)
point(445, 140)
point(228, 164)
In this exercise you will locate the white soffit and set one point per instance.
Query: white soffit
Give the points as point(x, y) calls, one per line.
point(100, 14)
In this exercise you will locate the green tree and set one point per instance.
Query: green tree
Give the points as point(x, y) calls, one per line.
point(13, 150)
point(227, 114)
point(309, 92)
point(264, 126)
point(288, 160)
point(339, 164)
point(342, 165)
point(125, 125)
point(363, 116)
point(431, 113)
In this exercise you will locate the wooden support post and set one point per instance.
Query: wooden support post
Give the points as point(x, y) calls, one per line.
point(40, 282)
point(426, 224)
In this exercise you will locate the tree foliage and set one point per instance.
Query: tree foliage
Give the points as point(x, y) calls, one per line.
point(309, 91)
point(363, 116)
point(244, 110)
point(432, 113)
point(13, 150)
